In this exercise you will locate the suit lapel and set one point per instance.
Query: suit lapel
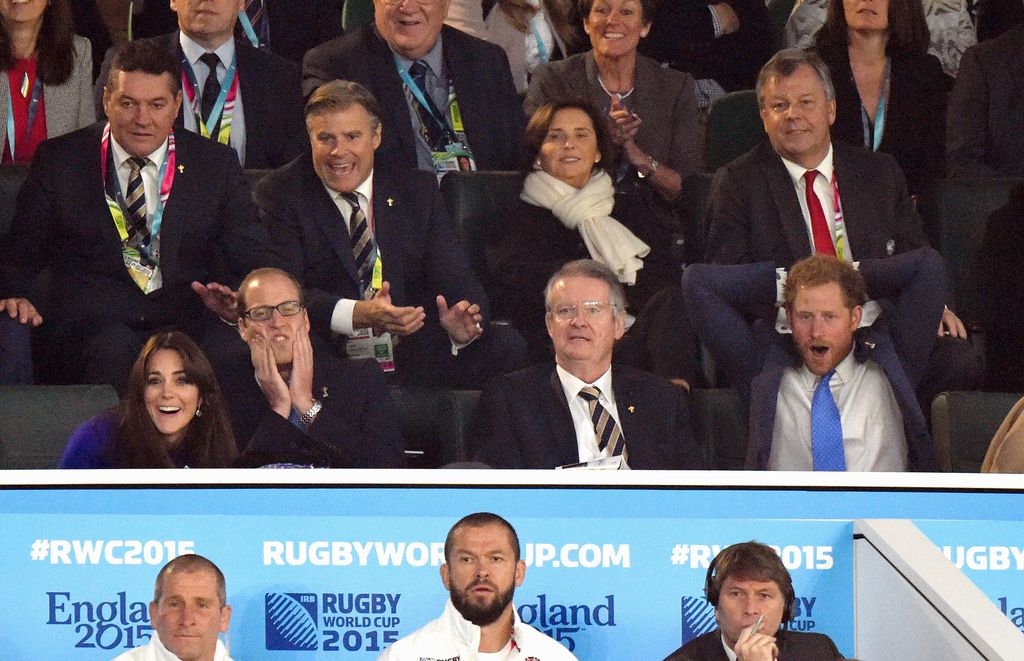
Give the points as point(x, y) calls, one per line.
point(626, 405)
point(858, 203)
point(254, 98)
point(559, 420)
point(172, 43)
point(327, 217)
point(791, 218)
point(391, 95)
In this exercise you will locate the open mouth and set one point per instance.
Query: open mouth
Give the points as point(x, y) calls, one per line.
point(341, 169)
point(169, 410)
point(819, 350)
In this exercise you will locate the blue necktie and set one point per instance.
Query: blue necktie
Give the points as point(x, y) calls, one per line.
point(826, 429)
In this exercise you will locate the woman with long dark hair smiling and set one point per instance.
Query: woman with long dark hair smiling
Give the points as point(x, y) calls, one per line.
point(46, 89)
point(171, 415)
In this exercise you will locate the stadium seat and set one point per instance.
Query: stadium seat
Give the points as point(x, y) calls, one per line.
point(719, 428)
point(356, 13)
point(36, 421)
point(435, 423)
point(734, 127)
point(963, 424)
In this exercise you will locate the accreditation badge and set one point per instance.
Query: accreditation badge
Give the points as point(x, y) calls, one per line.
point(367, 344)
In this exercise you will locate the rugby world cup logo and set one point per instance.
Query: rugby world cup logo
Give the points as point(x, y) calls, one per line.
point(291, 621)
point(698, 617)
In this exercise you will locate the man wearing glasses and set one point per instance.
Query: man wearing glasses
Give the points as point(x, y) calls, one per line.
point(583, 411)
point(315, 408)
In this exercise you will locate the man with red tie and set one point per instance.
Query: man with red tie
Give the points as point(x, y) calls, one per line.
point(800, 193)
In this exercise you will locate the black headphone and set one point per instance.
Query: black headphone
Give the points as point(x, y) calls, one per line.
point(711, 589)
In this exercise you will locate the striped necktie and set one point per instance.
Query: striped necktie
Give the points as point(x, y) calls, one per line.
point(362, 240)
point(135, 203)
point(257, 12)
point(606, 430)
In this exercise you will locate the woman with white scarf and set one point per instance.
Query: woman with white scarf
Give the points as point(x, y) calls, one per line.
point(569, 209)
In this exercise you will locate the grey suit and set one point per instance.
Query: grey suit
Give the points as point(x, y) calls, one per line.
point(68, 105)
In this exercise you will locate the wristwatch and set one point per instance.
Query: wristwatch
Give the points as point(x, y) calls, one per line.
point(309, 416)
point(653, 167)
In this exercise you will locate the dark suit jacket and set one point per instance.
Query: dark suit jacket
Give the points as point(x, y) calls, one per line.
point(985, 123)
point(1001, 281)
point(683, 36)
point(755, 356)
point(356, 428)
point(915, 117)
point(793, 646)
point(753, 212)
point(526, 423)
point(275, 132)
point(421, 254)
point(210, 232)
point(295, 25)
point(478, 69)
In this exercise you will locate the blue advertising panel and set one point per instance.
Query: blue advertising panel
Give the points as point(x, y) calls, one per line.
point(991, 554)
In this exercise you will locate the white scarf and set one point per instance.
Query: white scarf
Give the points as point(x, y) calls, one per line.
point(587, 210)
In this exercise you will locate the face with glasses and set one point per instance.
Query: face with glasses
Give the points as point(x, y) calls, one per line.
point(583, 325)
point(410, 27)
point(273, 312)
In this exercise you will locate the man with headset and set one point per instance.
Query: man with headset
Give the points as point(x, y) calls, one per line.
point(752, 593)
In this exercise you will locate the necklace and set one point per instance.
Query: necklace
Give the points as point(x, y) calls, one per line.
point(618, 95)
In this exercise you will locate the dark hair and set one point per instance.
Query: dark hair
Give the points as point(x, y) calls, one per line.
point(148, 57)
point(55, 45)
point(589, 268)
point(647, 8)
point(187, 564)
point(785, 63)
point(208, 441)
point(338, 95)
point(258, 273)
point(908, 30)
point(540, 122)
point(479, 520)
point(819, 270)
point(751, 561)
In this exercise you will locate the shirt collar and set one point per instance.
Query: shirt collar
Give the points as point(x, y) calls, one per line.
point(193, 51)
point(728, 652)
point(434, 59)
point(468, 632)
point(844, 371)
point(796, 171)
point(365, 190)
point(120, 155)
point(572, 384)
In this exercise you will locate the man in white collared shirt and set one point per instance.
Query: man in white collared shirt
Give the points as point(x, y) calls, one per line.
point(858, 206)
point(584, 411)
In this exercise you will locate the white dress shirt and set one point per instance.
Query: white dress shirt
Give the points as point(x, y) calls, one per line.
point(873, 434)
point(586, 440)
point(225, 52)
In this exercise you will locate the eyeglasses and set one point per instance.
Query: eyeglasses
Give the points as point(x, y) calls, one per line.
point(265, 312)
point(589, 309)
point(422, 3)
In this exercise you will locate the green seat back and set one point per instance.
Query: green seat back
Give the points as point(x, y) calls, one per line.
point(734, 127)
point(963, 424)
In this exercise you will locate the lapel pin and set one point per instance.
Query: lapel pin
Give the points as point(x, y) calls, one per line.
point(631, 409)
point(391, 201)
point(323, 392)
point(181, 168)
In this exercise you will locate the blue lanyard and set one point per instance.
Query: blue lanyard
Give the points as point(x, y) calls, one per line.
point(874, 141)
point(218, 107)
point(542, 50)
point(243, 18)
point(424, 103)
point(33, 109)
point(158, 214)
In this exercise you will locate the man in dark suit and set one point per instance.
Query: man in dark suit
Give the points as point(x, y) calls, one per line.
point(760, 207)
point(747, 583)
point(375, 251)
point(985, 119)
point(788, 382)
point(261, 117)
point(304, 405)
point(583, 410)
point(426, 127)
point(147, 212)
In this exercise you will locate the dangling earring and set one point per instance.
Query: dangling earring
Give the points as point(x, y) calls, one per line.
point(537, 165)
point(199, 411)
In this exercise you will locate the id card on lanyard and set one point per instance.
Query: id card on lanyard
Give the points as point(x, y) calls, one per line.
point(223, 109)
point(145, 276)
point(33, 110)
point(456, 154)
point(842, 250)
point(366, 343)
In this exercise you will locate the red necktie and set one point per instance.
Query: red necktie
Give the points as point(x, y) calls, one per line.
point(819, 226)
